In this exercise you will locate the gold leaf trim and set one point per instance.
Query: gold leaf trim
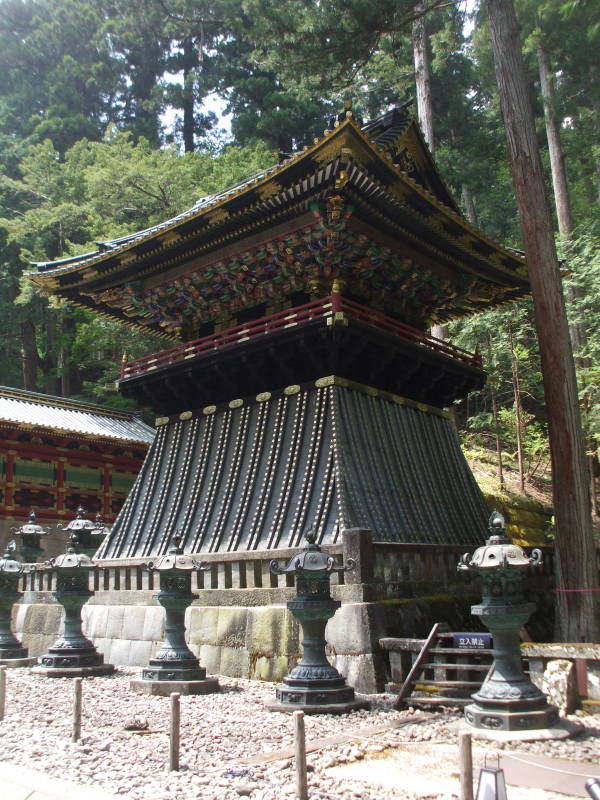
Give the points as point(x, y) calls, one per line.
point(269, 189)
point(126, 258)
point(170, 237)
point(217, 216)
point(320, 383)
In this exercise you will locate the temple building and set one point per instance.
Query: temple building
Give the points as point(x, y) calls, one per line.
point(58, 454)
point(299, 386)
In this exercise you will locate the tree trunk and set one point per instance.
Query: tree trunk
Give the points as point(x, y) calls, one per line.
point(495, 418)
point(189, 62)
point(69, 377)
point(518, 411)
point(469, 202)
point(48, 363)
point(424, 104)
point(557, 158)
point(423, 76)
point(562, 204)
point(29, 356)
point(577, 573)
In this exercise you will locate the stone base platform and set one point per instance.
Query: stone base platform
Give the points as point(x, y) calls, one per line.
point(513, 721)
point(330, 708)
point(165, 688)
point(11, 663)
point(75, 672)
point(561, 730)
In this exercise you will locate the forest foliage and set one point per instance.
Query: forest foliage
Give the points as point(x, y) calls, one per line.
point(108, 125)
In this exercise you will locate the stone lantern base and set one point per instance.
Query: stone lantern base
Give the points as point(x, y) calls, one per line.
point(316, 697)
point(505, 720)
point(562, 729)
point(66, 662)
point(326, 708)
point(13, 654)
point(185, 677)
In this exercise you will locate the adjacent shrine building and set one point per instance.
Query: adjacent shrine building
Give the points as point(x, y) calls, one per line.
point(57, 454)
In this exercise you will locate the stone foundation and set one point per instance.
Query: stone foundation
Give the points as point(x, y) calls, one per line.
point(257, 642)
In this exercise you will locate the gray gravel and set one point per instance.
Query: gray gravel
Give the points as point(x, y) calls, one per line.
point(218, 733)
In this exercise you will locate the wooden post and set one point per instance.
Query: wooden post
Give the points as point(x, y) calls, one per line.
point(76, 732)
point(174, 733)
point(415, 670)
point(2, 691)
point(300, 756)
point(465, 755)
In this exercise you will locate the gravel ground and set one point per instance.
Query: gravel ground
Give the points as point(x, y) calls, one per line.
point(219, 733)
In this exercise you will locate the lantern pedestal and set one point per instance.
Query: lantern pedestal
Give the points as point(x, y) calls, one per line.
point(12, 652)
point(507, 700)
point(73, 655)
point(174, 668)
point(314, 685)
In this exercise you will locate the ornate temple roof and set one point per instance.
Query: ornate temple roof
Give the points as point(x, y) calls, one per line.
point(363, 205)
point(33, 410)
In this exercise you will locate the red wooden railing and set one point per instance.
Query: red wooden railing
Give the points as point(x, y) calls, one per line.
point(299, 315)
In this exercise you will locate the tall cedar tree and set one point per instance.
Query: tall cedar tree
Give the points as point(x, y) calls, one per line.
point(577, 574)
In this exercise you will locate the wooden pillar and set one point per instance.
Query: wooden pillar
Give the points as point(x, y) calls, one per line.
point(60, 485)
point(10, 479)
point(106, 490)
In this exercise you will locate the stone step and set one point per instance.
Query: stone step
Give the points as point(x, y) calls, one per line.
point(453, 684)
point(445, 665)
point(424, 702)
point(590, 706)
point(460, 651)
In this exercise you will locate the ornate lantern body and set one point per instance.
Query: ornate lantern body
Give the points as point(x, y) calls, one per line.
point(72, 654)
point(90, 535)
point(31, 534)
point(175, 668)
point(507, 699)
point(314, 685)
point(12, 652)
